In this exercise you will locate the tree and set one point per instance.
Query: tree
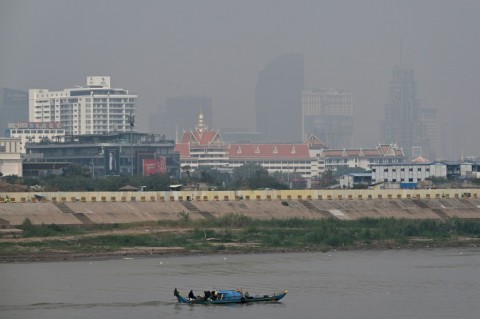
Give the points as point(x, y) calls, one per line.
point(187, 169)
point(253, 176)
point(327, 179)
point(214, 177)
point(76, 170)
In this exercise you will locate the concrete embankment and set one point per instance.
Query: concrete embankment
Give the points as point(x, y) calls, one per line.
point(126, 207)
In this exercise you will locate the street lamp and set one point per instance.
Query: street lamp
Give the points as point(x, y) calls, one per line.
point(131, 120)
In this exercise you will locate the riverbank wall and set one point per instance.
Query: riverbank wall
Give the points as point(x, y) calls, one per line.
point(88, 208)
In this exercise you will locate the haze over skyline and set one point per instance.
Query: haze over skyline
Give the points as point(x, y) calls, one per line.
point(160, 49)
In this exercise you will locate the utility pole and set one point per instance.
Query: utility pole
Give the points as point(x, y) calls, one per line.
point(131, 120)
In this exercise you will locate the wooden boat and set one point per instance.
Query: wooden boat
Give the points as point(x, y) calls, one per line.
point(222, 297)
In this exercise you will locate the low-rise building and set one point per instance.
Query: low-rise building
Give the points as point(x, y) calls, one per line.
point(355, 180)
point(407, 172)
point(334, 159)
point(10, 158)
point(35, 132)
point(111, 154)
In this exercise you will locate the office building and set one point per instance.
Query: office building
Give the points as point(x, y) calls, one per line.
point(278, 99)
point(429, 127)
point(13, 108)
point(118, 153)
point(95, 108)
point(328, 115)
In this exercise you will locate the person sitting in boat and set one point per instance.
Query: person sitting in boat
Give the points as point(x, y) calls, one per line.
point(214, 295)
point(208, 294)
point(191, 295)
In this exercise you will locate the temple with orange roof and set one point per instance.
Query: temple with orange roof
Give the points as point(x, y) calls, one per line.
point(203, 147)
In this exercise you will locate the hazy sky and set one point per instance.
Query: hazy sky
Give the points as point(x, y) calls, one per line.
point(216, 48)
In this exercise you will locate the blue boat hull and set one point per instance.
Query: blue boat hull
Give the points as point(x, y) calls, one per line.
point(233, 300)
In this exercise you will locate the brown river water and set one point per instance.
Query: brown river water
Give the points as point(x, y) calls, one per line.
point(426, 283)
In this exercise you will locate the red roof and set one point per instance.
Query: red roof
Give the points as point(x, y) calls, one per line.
point(333, 153)
point(315, 142)
point(370, 152)
point(380, 151)
point(268, 151)
point(183, 149)
point(420, 159)
point(204, 138)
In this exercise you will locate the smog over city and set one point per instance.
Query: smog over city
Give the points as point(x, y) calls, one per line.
point(224, 50)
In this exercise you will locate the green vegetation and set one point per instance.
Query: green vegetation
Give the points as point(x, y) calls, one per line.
point(241, 233)
point(79, 178)
point(29, 230)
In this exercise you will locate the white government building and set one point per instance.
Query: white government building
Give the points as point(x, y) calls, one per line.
point(10, 157)
point(93, 109)
point(31, 132)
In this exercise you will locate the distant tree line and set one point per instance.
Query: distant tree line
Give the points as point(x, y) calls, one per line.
point(248, 176)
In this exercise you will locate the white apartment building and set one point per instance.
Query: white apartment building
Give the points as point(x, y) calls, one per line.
point(93, 109)
point(10, 160)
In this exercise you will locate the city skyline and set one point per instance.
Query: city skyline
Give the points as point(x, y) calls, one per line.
point(217, 49)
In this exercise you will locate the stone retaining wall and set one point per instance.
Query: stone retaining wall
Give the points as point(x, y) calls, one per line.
point(126, 207)
point(55, 197)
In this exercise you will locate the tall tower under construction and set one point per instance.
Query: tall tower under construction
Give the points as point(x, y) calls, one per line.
point(402, 124)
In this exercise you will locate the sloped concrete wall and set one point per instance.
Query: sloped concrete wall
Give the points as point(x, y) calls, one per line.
point(128, 207)
point(235, 195)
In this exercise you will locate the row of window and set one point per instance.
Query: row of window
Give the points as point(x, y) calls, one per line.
point(394, 170)
point(19, 131)
point(375, 160)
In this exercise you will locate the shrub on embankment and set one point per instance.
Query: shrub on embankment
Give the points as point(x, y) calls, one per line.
point(241, 233)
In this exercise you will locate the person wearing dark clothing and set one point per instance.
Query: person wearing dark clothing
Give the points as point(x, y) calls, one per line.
point(191, 295)
point(207, 295)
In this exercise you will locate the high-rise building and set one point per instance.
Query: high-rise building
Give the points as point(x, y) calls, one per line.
point(93, 109)
point(181, 114)
point(429, 127)
point(13, 108)
point(328, 115)
point(402, 123)
point(278, 99)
